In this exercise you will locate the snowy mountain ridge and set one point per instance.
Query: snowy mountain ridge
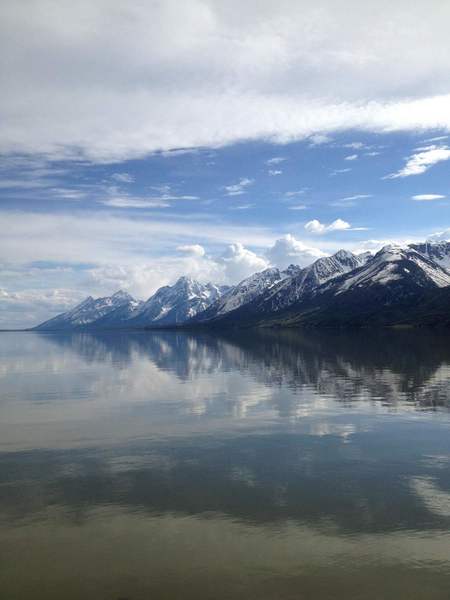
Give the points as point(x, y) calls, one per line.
point(402, 271)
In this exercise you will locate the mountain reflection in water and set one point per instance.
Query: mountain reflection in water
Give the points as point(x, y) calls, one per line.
point(270, 464)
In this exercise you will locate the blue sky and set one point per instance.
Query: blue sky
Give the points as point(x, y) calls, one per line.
point(146, 142)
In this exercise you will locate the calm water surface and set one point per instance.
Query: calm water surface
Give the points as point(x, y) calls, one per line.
point(265, 466)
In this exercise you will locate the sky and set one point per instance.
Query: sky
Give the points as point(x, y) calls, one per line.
point(141, 141)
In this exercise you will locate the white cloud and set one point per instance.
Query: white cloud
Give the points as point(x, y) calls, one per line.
point(242, 207)
point(423, 160)
point(351, 157)
point(288, 250)
point(319, 139)
point(440, 236)
point(317, 227)
point(293, 194)
point(237, 189)
point(194, 249)
point(354, 145)
point(26, 308)
point(122, 177)
point(298, 207)
point(339, 171)
point(356, 197)
point(133, 203)
point(349, 201)
point(427, 197)
point(238, 263)
point(274, 172)
point(438, 138)
point(276, 160)
point(230, 73)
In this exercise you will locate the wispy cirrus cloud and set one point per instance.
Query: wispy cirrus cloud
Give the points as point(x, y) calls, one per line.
point(122, 177)
point(427, 197)
point(422, 160)
point(349, 201)
point(339, 171)
point(237, 189)
point(276, 160)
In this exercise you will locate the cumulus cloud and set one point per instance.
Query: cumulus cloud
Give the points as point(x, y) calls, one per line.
point(231, 72)
point(315, 226)
point(26, 308)
point(422, 160)
point(288, 250)
point(194, 249)
point(238, 263)
point(275, 172)
point(427, 197)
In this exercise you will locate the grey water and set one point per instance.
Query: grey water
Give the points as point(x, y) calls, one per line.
point(261, 465)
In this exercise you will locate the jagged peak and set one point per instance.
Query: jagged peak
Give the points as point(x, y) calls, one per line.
point(86, 301)
point(122, 294)
point(343, 254)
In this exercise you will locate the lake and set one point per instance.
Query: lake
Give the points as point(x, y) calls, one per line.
point(263, 465)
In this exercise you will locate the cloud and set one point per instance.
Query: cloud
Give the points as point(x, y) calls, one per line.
point(122, 177)
point(354, 145)
point(427, 197)
point(242, 207)
point(440, 236)
point(193, 249)
point(230, 73)
point(288, 250)
point(298, 207)
point(26, 308)
point(438, 138)
point(237, 189)
point(134, 203)
point(119, 198)
point(350, 201)
point(276, 160)
point(238, 263)
point(294, 194)
point(422, 161)
point(339, 171)
point(274, 172)
point(351, 157)
point(319, 139)
point(317, 227)
point(356, 197)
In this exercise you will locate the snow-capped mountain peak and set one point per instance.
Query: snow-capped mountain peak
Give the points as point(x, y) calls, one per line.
point(439, 252)
point(89, 311)
point(177, 303)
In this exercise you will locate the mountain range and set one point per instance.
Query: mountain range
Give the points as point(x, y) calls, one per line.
point(397, 286)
